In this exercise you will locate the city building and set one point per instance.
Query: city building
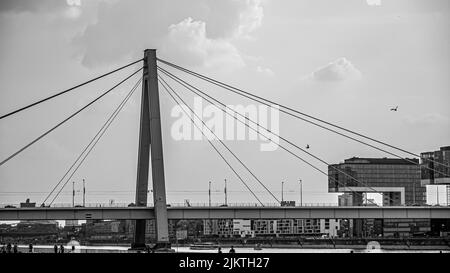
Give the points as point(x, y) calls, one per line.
point(243, 228)
point(271, 227)
point(36, 228)
point(435, 169)
point(105, 230)
point(218, 227)
point(41, 227)
point(397, 179)
point(329, 227)
point(345, 199)
point(405, 227)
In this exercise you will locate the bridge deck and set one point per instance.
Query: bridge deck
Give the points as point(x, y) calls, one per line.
point(84, 213)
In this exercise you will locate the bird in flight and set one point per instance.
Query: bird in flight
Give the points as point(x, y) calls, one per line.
point(307, 146)
point(394, 109)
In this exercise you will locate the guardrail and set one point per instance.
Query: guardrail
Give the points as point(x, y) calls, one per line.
point(203, 205)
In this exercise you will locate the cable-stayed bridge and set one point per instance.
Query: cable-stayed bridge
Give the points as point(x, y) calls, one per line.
point(155, 74)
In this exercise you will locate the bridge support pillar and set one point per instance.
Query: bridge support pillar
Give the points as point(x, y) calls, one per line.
point(150, 134)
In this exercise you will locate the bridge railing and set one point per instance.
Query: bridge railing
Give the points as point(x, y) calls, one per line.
point(185, 205)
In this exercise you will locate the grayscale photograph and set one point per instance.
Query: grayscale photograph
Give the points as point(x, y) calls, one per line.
point(200, 128)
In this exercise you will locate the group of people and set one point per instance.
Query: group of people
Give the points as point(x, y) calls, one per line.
point(232, 250)
point(61, 248)
point(9, 248)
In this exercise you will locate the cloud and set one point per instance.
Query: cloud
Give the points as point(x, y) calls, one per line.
point(373, 2)
point(266, 71)
point(187, 40)
point(250, 18)
point(427, 119)
point(336, 71)
point(209, 30)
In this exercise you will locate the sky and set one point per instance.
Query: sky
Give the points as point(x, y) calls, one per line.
point(347, 62)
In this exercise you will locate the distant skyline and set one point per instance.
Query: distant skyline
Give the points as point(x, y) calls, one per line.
point(347, 62)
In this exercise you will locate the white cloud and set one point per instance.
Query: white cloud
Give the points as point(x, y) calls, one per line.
point(250, 18)
point(373, 2)
point(187, 40)
point(336, 71)
point(207, 40)
point(266, 71)
point(73, 2)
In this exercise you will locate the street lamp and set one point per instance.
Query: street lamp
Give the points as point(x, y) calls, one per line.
point(73, 193)
point(84, 193)
point(301, 193)
point(225, 191)
point(209, 193)
point(282, 191)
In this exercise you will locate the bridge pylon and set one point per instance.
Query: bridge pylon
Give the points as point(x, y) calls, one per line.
point(150, 137)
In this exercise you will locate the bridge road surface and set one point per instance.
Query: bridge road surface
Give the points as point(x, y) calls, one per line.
point(119, 213)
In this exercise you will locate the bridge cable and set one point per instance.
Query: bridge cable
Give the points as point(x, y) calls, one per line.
point(99, 134)
point(114, 115)
point(255, 98)
point(67, 90)
point(209, 141)
point(229, 150)
point(65, 120)
point(267, 138)
point(190, 88)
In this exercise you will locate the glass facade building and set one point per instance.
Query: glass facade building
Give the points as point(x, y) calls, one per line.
point(397, 179)
point(435, 167)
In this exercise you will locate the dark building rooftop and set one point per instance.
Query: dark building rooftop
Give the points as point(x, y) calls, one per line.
point(382, 161)
point(445, 148)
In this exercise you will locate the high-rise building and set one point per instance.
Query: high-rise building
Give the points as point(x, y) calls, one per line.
point(345, 199)
point(397, 179)
point(271, 227)
point(435, 167)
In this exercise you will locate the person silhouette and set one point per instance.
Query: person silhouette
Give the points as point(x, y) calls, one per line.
point(232, 250)
point(219, 250)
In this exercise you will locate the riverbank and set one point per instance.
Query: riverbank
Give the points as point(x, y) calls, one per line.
point(331, 246)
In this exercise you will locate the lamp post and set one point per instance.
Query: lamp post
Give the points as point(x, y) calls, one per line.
point(282, 191)
point(84, 193)
point(209, 193)
point(301, 193)
point(73, 193)
point(225, 191)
